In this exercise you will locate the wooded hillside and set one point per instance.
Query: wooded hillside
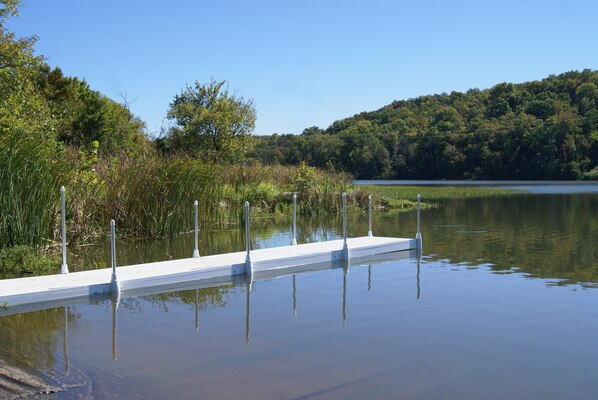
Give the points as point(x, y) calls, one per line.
point(544, 129)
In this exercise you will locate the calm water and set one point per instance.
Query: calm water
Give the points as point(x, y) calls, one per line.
point(502, 305)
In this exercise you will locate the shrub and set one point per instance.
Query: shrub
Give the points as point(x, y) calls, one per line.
point(23, 260)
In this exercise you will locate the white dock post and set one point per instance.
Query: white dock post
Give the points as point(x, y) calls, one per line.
point(114, 284)
point(294, 240)
point(345, 246)
point(418, 235)
point(196, 250)
point(248, 263)
point(64, 269)
point(370, 215)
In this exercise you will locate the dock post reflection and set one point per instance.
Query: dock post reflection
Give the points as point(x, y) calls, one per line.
point(248, 284)
point(418, 258)
point(65, 344)
point(197, 310)
point(115, 300)
point(345, 270)
point(294, 297)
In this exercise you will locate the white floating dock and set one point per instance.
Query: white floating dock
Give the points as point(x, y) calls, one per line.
point(52, 288)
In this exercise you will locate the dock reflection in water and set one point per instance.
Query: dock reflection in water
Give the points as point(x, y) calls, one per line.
point(283, 332)
point(16, 329)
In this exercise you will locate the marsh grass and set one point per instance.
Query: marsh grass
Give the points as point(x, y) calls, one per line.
point(31, 171)
point(404, 196)
point(152, 197)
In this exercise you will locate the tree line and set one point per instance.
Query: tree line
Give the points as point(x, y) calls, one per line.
point(544, 129)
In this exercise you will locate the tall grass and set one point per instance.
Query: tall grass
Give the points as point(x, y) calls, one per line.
point(152, 196)
point(147, 195)
point(31, 172)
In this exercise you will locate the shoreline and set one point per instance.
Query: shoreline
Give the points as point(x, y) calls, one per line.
point(16, 383)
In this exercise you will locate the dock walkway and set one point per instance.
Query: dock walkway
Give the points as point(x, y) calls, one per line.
point(52, 288)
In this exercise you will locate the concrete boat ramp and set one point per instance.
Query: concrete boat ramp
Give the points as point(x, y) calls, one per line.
point(18, 295)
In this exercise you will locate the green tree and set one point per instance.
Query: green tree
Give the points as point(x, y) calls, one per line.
point(211, 122)
point(22, 108)
point(535, 130)
point(82, 115)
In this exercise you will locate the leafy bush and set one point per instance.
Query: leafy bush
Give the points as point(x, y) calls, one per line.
point(591, 175)
point(24, 260)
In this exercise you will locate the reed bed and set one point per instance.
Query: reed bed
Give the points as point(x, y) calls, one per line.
point(148, 195)
point(30, 174)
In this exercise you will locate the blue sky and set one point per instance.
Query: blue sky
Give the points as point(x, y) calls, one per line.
point(304, 62)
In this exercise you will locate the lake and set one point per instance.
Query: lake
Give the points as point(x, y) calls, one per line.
point(502, 304)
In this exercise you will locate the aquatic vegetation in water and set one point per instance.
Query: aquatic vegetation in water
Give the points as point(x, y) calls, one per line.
point(437, 193)
point(24, 260)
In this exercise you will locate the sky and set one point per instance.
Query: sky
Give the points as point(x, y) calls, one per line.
point(307, 63)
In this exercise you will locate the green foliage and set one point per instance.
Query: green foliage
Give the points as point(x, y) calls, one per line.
point(304, 178)
point(22, 260)
point(591, 175)
point(535, 130)
point(8, 8)
point(22, 107)
point(437, 193)
point(87, 161)
point(31, 172)
point(211, 122)
point(83, 116)
point(38, 101)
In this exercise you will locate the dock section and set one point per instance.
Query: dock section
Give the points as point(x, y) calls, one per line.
point(16, 293)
